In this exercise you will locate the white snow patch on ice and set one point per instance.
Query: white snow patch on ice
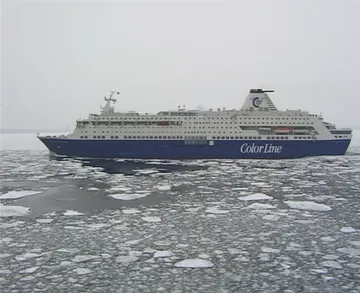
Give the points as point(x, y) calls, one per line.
point(307, 205)
point(128, 196)
point(18, 194)
point(194, 263)
point(255, 196)
point(93, 188)
point(13, 211)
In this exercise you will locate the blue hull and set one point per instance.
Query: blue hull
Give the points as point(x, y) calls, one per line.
point(178, 149)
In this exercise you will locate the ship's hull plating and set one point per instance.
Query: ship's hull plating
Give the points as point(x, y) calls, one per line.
point(178, 149)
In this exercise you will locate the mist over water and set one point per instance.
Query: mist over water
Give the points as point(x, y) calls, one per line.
point(70, 225)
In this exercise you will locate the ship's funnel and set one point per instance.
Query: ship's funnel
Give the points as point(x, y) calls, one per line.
point(258, 100)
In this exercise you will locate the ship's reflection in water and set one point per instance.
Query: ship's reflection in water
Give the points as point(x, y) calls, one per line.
point(134, 167)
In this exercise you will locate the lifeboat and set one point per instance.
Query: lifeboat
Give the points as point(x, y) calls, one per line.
point(283, 130)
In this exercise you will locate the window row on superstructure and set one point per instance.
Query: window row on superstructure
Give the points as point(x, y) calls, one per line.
point(282, 137)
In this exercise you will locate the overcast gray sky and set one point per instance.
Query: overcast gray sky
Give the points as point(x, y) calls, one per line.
point(59, 58)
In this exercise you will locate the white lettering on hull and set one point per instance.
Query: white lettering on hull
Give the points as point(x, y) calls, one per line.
point(260, 149)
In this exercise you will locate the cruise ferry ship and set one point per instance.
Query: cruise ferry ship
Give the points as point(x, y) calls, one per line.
point(257, 131)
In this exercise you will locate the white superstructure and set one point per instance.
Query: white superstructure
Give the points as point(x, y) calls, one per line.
point(257, 119)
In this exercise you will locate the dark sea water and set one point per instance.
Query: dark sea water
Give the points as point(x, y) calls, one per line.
point(69, 225)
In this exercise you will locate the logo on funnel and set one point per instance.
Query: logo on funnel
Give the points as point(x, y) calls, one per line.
point(257, 102)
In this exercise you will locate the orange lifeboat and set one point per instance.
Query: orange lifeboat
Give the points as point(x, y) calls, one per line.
point(283, 130)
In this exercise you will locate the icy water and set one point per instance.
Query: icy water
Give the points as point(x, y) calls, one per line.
point(71, 225)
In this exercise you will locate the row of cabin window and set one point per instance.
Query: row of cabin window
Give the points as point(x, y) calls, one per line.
point(204, 117)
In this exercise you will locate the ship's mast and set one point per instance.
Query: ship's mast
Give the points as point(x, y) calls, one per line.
point(107, 108)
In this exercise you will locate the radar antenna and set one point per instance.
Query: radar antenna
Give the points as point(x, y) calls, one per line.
point(110, 98)
point(107, 108)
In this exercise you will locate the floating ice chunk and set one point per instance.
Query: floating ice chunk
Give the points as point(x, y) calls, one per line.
point(151, 219)
point(5, 272)
point(13, 211)
point(164, 187)
point(27, 278)
point(215, 210)
point(260, 206)
point(347, 230)
point(270, 217)
point(18, 194)
point(29, 270)
point(126, 258)
point(255, 196)
point(294, 195)
point(331, 264)
point(82, 271)
point(131, 211)
point(320, 271)
point(132, 242)
point(119, 188)
point(307, 205)
point(72, 213)
point(269, 250)
point(192, 209)
point(128, 196)
point(194, 263)
point(330, 256)
point(328, 239)
point(44, 221)
point(84, 258)
point(356, 243)
point(163, 253)
point(234, 251)
point(204, 255)
point(93, 188)
point(349, 250)
point(163, 243)
point(26, 256)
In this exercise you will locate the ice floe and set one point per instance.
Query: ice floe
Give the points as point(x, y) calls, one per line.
point(18, 194)
point(152, 219)
point(126, 258)
point(307, 205)
point(131, 211)
point(347, 230)
point(72, 213)
point(215, 210)
point(255, 196)
point(163, 253)
point(194, 263)
point(260, 206)
point(13, 211)
point(128, 196)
